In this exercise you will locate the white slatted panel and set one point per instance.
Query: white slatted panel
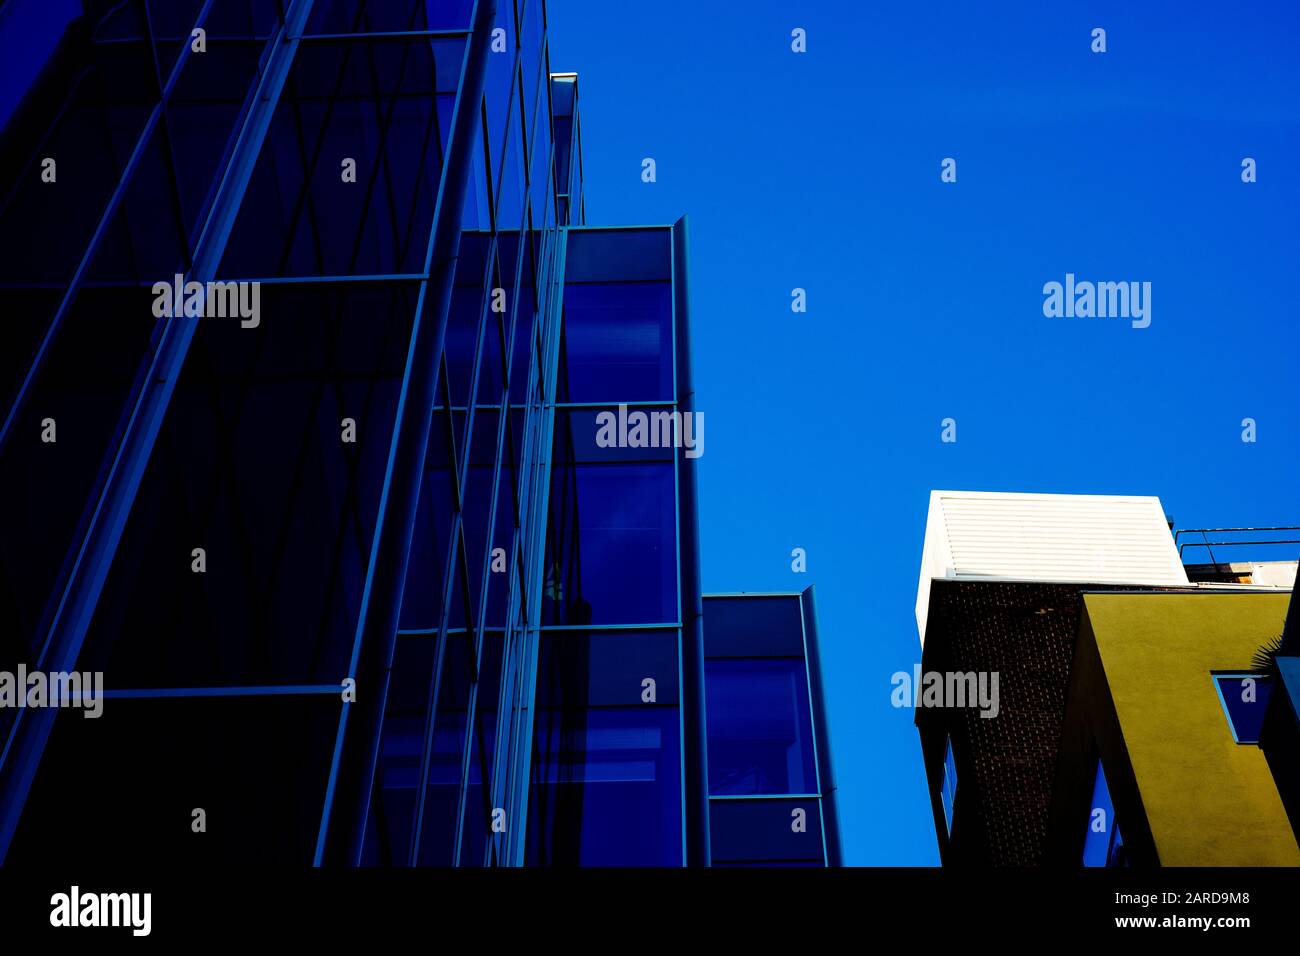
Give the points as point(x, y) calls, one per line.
point(1084, 539)
point(1090, 539)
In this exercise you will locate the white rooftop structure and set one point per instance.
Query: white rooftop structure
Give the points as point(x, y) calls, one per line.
point(1074, 539)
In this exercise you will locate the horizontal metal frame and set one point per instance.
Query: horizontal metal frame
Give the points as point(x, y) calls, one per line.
point(255, 690)
point(764, 796)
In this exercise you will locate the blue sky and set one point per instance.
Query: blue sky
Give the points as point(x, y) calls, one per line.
point(822, 171)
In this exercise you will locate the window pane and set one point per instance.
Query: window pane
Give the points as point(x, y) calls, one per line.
point(770, 832)
point(1245, 700)
point(387, 105)
point(618, 342)
point(949, 794)
point(760, 728)
point(606, 788)
point(608, 668)
point(753, 627)
point(283, 509)
point(611, 544)
point(1101, 817)
point(348, 16)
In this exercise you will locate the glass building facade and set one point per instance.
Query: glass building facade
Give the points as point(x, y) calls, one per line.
point(771, 787)
point(363, 580)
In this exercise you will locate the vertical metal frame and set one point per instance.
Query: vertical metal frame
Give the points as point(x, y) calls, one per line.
point(356, 753)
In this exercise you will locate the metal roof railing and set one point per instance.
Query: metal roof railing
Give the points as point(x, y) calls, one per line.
point(1209, 545)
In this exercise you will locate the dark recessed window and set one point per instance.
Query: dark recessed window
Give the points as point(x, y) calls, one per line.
point(1103, 845)
point(949, 792)
point(1244, 698)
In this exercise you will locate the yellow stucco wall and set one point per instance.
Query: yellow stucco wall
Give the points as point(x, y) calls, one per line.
point(1208, 800)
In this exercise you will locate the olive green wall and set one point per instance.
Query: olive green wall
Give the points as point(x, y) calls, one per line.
point(1208, 800)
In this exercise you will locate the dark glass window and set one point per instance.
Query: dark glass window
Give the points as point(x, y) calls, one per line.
point(760, 728)
point(620, 566)
point(619, 255)
point(753, 627)
point(609, 668)
point(202, 117)
point(387, 105)
point(618, 341)
point(510, 192)
point(348, 16)
point(478, 810)
point(606, 783)
point(256, 764)
point(766, 832)
point(1103, 845)
point(532, 56)
point(1245, 700)
point(284, 509)
point(401, 750)
point(948, 787)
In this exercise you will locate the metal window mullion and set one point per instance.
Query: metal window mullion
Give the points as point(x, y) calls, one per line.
point(454, 546)
point(551, 319)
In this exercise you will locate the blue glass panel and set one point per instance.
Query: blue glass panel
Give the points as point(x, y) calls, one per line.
point(539, 170)
point(349, 16)
point(477, 214)
point(606, 787)
point(510, 191)
point(496, 331)
point(618, 342)
point(1101, 820)
point(202, 115)
point(397, 773)
point(611, 434)
point(442, 790)
point(478, 500)
point(1245, 700)
point(753, 627)
point(286, 522)
point(478, 812)
point(619, 255)
point(1118, 855)
point(431, 536)
point(949, 786)
point(563, 148)
point(469, 300)
point(532, 41)
point(768, 832)
point(524, 317)
point(621, 566)
point(174, 18)
point(385, 104)
point(1288, 666)
point(760, 727)
point(234, 17)
point(501, 70)
point(607, 668)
